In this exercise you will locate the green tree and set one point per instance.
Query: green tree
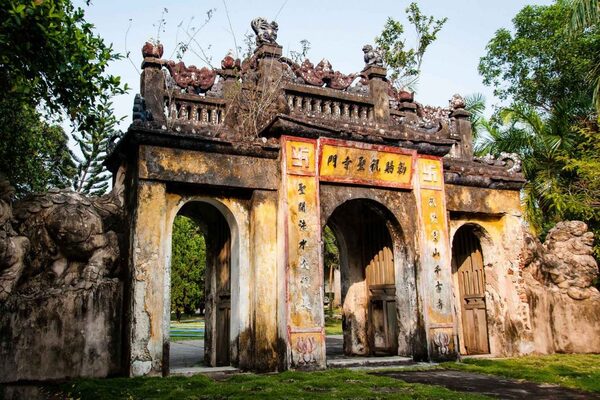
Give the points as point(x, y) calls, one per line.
point(543, 67)
point(33, 153)
point(405, 64)
point(92, 177)
point(53, 65)
point(188, 265)
point(538, 63)
point(585, 16)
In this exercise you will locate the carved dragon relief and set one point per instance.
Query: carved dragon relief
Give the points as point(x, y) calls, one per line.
point(58, 238)
point(321, 75)
point(191, 78)
point(510, 161)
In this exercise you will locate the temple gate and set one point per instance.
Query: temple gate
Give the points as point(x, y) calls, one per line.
point(264, 154)
point(276, 151)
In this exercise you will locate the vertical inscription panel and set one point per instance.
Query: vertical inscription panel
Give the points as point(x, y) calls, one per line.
point(435, 255)
point(305, 320)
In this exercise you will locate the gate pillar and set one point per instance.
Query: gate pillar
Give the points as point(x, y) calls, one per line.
point(435, 272)
point(304, 269)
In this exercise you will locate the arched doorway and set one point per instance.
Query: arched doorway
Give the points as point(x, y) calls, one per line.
point(368, 286)
point(469, 276)
point(212, 347)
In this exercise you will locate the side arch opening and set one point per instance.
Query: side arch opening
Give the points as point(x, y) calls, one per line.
point(469, 280)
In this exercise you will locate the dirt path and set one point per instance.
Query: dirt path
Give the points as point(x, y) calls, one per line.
point(488, 385)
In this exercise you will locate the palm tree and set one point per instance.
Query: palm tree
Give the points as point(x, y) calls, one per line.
point(475, 105)
point(585, 15)
point(541, 143)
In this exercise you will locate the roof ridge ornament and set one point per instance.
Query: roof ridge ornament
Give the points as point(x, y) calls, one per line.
point(373, 56)
point(266, 32)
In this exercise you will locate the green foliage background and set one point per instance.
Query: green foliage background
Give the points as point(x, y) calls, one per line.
point(547, 69)
point(52, 68)
point(188, 265)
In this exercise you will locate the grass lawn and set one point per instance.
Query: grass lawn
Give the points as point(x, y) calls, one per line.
point(578, 371)
point(189, 328)
point(329, 384)
point(333, 326)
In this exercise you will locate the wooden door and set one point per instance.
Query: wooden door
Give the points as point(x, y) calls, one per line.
point(471, 283)
point(223, 296)
point(383, 321)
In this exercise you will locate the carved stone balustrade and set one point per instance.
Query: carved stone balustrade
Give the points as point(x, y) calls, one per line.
point(194, 110)
point(327, 103)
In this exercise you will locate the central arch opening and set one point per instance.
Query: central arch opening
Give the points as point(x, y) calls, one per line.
point(368, 312)
point(200, 288)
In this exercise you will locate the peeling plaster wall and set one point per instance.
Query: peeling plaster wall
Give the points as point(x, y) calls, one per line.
point(495, 217)
point(263, 256)
point(62, 333)
point(148, 281)
point(254, 274)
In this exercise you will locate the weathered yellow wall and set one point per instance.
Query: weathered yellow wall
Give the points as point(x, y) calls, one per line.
point(496, 218)
point(263, 255)
point(148, 280)
point(197, 167)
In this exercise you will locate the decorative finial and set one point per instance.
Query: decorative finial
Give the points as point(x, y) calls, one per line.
point(373, 56)
point(266, 33)
point(457, 102)
point(152, 49)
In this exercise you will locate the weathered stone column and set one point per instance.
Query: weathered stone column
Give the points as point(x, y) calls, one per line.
point(263, 258)
point(147, 264)
point(152, 81)
point(462, 132)
point(378, 89)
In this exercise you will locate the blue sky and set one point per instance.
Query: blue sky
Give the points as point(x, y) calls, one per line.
point(336, 30)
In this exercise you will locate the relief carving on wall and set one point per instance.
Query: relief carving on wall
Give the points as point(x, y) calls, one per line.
point(305, 349)
point(57, 238)
point(565, 261)
point(442, 342)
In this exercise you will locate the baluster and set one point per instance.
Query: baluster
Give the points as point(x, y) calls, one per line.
point(327, 107)
point(204, 114)
point(317, 106)
point(213, 116)
point(183, 112)
point(290, 101)
point(363, 113)
point(354, 113)
point(346, 112)
point(307, 105)
point(337, 112)
point(298, 106)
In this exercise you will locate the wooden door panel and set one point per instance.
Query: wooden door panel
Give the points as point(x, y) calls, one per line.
point(471, 281)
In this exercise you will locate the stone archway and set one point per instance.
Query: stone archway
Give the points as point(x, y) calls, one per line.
point(220, 233)
point(470, 288)
point(365, 233)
